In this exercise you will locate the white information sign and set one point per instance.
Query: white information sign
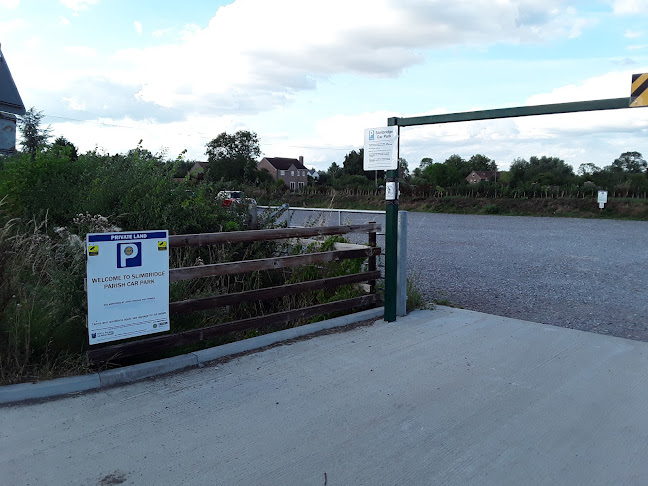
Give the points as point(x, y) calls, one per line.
point(391, 190)
point(381, 148)
point(602, 199)
point(128, 284)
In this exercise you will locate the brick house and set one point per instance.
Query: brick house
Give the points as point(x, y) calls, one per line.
point(477, 176)
point(291, 171)
point(198, 170)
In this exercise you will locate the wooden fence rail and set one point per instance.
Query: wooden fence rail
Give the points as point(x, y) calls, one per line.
point(115, 352)
point(218, 269)
point(269, 234)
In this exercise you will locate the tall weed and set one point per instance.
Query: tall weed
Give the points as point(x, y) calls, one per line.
point(42, 317)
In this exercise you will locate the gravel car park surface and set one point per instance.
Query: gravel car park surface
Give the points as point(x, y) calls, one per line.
point(587, 274)
point(578, 273)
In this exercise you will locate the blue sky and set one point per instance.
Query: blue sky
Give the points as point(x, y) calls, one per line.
point(310, 76)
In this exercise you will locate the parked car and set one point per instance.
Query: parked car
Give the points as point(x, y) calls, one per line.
point(234, 197)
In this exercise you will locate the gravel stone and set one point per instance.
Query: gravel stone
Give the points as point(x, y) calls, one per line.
point(587, 274)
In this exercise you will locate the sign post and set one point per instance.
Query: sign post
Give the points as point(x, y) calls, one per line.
point(128, 284)
point(381, 153)
point(602, 199)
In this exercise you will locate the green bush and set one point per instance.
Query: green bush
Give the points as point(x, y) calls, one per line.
point(48, 206)
point(491, 209)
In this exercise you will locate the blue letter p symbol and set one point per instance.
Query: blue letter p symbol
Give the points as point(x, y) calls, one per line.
point(129, 255)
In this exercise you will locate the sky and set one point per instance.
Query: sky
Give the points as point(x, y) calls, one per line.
point(309, 76)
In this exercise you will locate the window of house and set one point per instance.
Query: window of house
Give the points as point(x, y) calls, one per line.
point(301, 184)
point(292, 172)
point(292, 185)
point(283, 172)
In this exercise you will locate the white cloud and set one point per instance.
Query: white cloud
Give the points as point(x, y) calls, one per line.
point(159, 33)
point(63, 21)
point(633, 34)
point(214, 75)
point(10, 4)
point(614, 84)
point(10, 26)
point(577, 138)
point(348, 130)
point(623, 7)
point(78, 5)
point(637, 47)
point(33, 42)
point(290, 45)
point(123, 133)
point(589, 131)
point(138, 27)
point(74, 104)
point(81, 51)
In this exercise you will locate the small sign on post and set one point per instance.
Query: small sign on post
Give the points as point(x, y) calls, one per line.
point(128, 284)
point(602, 199)
point(381, 148)
point(391, 191)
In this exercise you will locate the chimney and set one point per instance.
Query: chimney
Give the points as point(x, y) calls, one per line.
point(301, 159)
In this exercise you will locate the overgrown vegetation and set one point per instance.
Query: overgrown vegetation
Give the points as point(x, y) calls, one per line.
point(51, 197)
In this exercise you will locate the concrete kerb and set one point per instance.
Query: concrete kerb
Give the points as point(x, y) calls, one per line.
point(76, 384)
point(50, 388)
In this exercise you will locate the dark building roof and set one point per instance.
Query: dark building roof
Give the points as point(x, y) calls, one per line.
point(282, 163)
point(10, 101)
point(199, 165)
point(484, 174)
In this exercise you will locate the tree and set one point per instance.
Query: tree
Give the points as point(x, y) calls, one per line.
point(353, 164)
point(542, 170)
point(33, 135)
point(334, 170)
point(517, 171)
point(244, 144)
point(63, 146)
point(482, 163)
point(442, 175)
point(631, 162)
point(588, 169)
point(418, 171)
point(457, 162)
point(233, 157)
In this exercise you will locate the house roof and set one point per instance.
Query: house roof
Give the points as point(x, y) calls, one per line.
point(199, 165)
point(282, 163)
point(484, 174)
point(10, 101)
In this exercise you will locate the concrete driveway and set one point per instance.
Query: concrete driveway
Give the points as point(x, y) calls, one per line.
point(440, 397)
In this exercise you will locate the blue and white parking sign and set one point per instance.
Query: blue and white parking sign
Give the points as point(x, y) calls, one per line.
point(128, 284)
point(129, 254)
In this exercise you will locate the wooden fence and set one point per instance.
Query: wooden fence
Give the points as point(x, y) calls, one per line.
point(113, 352)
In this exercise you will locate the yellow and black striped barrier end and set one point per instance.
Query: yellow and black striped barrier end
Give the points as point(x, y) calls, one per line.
point(639, 91)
